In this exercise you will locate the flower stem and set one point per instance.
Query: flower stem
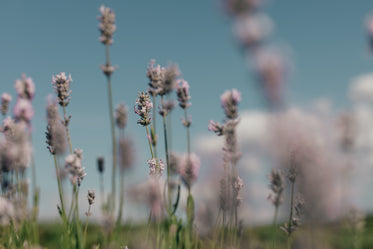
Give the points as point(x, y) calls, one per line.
point(67, 129)
point(86, 226)
point(150, 145)
point(59, 188)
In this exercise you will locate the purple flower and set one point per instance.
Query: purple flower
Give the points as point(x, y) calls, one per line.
point(107, 25)
point(156, 166)
point(189, 168)
point(183, 94)
point(216, 127)
point(143, 108)
point(25, 87)
point(155, 75)
point(169, 83)
point(229, 101)
point(73, 164)
point(61, 85)
point(5, 99)
point(23, 110)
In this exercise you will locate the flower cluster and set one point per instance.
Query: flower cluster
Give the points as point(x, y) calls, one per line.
point(107, 25)
point(183, 95)
point(23, 110)
point(143, 108)
point(162, 80)
point(189, 168)
point(277, 186)
point(73, 165)
point(156, 166)
point(5, 100)
point(216, 127)
point(61, 85)
point(229, 101)
point(25, 87)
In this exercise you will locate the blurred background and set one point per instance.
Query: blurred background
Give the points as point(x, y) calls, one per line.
point(328, 79)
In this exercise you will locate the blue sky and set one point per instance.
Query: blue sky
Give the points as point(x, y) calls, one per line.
point(43, 38)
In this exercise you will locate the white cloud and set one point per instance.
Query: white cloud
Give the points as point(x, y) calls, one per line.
point(361, 88)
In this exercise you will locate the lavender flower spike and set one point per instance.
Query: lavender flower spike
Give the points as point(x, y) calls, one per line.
point(155, 75)
point(121, 114)
point(73, 164)
point(156, 166)
point(169, 82)
point(25, 87)
point(189, 169)
point(216, 127)
point(183, 95)
point(107, 25)
point(61, 85)
point(143, 108)
point(229, 101)
point(5, 100)
point(23, 110)
point(277, 186)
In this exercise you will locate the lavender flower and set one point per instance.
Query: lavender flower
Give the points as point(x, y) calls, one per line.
point(126, 155)
point(237, 185)
point(100, 164)
point(183, 94)
point(91, 197)
point(166, 107)
point(174, 162)
point(23, 110)
point(277, 185)
point(169, 82)
point(25, 87)
point(143, 108)
point(18, 146)
point(229, 101)
point(121, 114)
point(216, 127)
point(73, 164)
point(156, 166)
point(107, 25)
point(155, 75)
point(56, 134)
point(108, 69)
point(61, 85)
point(189, 169)
point(5, 99)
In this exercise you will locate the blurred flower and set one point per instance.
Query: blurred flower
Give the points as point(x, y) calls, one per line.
point(6, 211)
point(237, 185)
point(61, 85)
point(107, 25)
point(5, 99)
point(25, 87)
point(216, 127)
point(155, 75)
point(183, 94)
point(56, 134)
point(100, 164)
point(239, 7)
point(108, 69)
point(369, 29)
point(23, 110)
point(166, 107)
point(73, 164)
point(143, 108)
point(174, 163)
point(277, 186)
point(156, 166)
point(189, 168)
point(121, 114)
point(169, 79)
point(229, 101)
point(126, 153)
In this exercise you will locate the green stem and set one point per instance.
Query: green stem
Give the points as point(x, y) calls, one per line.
point(121, 199)
point(59, 188)
point(67, 129)
point(86, 226)
point(150, 145)
point(274, 233)
point(154, 124)
point(72, 203)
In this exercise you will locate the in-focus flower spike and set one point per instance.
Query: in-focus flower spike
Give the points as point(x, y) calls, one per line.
point(183, 94)
point(143, 108)
point(25, 87)
point(229, 101)
point(189, 169)
point(91, 197)
point(121, 114)
point(61, 85)
point(216, 127)
point(155, 75)
point(107, 25)
point(156, 167)
point(169, 80)
point(5, 100)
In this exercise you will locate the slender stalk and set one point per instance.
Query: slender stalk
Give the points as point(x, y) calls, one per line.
point(72, 203)
point(274, 232)
point(291, 214)
point(154, 124)
point(150, 145)
point(86, 226)
point(67, 129)
point(59, 188)
point(112, 125)
point(188, 133)
point(121, 199)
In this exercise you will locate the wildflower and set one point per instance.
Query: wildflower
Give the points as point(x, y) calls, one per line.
point(229, 101)
point(125, 153)
point(237, 185)
point(277, 186)
point(25, 88)
point(156, 166)
point(187, 122)
point(189, 168)
point(121, 114)
point(143, 108)
point(19, 147)
point(108, 69)
point(155, 75)
point(91, 197)
point(174, 162)
point(56, 134)
point(107, 25)
point(73, 164)
point(231, 152)
point(166, 107)
point(100, 164)
point(183, 94)
point(23, 110)
point(216, 127)
point(61, 85)
point(168, 82)
point(5, 99)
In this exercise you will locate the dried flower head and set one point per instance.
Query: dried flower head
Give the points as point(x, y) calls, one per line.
point(277, 185)
point(73, 164)
point(156, 166)
point(126, 153)
point(216, 127)
point(5, 100)
point(91, 196)
point(229, 101)
point(189, 169)
point(100, 164)
point(143, 108)
point(107, 25)
point(61, 85)
point(121, 114)
point(25, 87)
point(183, 95)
